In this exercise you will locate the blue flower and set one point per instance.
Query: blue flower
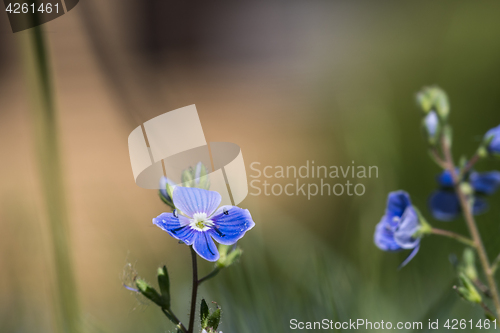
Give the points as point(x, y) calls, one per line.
point(202, 222)
point(493, 135)
point(444, 203)
point(398, 229)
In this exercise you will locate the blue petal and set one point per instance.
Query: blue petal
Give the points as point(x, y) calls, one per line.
point(396, 203)
point(230, 227)
point(444, 205)
point(384, 237)
point(177, 227)
point(480, 206)
point(409, 225)
point(410, 257)
point(485, 182)
point(205, 246)
point(191, 200)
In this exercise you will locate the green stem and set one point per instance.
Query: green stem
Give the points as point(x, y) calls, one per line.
point(47, 149)
point(470, 164)
point(194, 291)
point(209, 276)
point(170, 315)
point(451, 234)
point(471, 224)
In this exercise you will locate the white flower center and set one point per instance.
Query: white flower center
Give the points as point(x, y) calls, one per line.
point(200, 222)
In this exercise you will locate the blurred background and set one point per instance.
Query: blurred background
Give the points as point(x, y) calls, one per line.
point(329, 81)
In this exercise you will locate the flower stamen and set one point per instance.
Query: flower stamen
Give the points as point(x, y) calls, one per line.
point(201, 222)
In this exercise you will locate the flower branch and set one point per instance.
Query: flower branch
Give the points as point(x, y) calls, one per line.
point(453, 235)
point(470, 164)
point(462, 191)
point(210, 275)
point(471, 223)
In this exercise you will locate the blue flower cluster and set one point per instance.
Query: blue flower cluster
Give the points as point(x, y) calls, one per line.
point(444, 203)
point(402, 227)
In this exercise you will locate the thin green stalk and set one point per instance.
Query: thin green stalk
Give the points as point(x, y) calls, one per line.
point(209, 275)
point(194, 292)
point(170, 315)
point(470, 164)
point(451, 234)
point(471, 224)
point(50, 170)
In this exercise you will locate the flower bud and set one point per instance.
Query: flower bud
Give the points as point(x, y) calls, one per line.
point(166, 190)
point(434, 98)
point(187, 177)
point(227, 257)
point(466, 188)
point(468, 291)
point(432, 127)
point(469, 264)
point(214, 319)
point(491, 142)
point(197, 177)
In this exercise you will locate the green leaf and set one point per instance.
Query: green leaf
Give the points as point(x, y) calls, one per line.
point(149, 292)
point(214, 319)
point(204, 314)
point(164, 283)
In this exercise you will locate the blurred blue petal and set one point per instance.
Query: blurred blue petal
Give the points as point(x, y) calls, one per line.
point(384, 237)
point(485, 182)
point(407, 228)
point(480, 206)
point(410, 257)
point(396, 203)
point(444, 205)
